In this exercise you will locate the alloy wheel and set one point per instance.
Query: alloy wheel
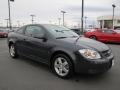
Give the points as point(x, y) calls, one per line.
point(12, 50)
point(61, 66)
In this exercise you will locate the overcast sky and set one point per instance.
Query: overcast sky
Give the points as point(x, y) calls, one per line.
point(49, 10)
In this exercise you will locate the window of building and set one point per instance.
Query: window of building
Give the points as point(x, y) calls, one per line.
point(118, 21)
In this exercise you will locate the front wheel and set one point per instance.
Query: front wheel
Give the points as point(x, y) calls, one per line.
point(93, 37)
point(62, 66)
point(13, 51)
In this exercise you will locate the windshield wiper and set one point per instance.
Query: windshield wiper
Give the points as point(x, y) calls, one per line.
point(60, 37)
point(78, 38)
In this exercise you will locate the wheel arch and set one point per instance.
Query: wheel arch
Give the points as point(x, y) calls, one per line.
point(11, 42)
point(62, 52)
point(93, 36)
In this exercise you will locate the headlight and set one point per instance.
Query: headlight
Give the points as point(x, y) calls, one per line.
point(90, 54)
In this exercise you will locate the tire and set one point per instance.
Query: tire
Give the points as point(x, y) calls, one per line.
point(13, 51)
point(93, 37)
point(62, 66)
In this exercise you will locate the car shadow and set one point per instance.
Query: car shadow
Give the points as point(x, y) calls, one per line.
point(112, 43)
point(87, 78)
point(90, 78)
point(34, 63)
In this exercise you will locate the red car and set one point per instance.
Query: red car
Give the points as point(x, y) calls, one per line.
point(104, 35)
point(3, 33)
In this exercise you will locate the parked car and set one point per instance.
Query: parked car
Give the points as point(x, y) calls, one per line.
point(3, 34)
point(117, 30)
point(63, 50)
point(104, 35)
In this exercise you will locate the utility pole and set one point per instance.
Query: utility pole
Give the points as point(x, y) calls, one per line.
point(63, 12)
point(113, 18)
point(59, 19)
point(82, 17)
point(9, 10)
point(32, 18)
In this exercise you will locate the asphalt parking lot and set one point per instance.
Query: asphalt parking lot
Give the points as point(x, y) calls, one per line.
point(25, 74)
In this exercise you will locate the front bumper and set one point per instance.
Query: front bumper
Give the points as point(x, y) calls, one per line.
point(93, 66)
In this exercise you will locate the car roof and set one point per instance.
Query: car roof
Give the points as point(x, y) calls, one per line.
point(43, 24)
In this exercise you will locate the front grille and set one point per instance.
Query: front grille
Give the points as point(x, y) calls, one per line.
point(106, 53)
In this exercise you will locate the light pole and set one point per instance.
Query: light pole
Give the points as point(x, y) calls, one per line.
point(32, 18)
point(113, 5)
point(86, 22)
point(7, 20)
point(10, 24)
point(18, 23)
point(59, 19)
point(63, 12)
point(82, 16)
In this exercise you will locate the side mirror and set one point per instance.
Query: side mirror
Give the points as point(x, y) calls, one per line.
point(38, 36)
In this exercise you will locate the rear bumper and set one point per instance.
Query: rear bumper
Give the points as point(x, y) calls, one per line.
point(94, 67)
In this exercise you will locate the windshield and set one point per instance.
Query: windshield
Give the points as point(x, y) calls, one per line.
point(61, 32)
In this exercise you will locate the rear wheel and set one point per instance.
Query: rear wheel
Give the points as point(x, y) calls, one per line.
point(13, 51)
point(62, 66)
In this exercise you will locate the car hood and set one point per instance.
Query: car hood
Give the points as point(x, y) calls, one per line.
point(83, 42)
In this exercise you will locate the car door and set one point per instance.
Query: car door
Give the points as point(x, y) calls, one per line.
point(100, 35)
point(109, 35)
point(20, 38)
point(36, 46)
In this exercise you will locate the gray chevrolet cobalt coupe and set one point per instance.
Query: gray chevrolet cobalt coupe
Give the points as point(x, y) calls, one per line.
point(59, 47)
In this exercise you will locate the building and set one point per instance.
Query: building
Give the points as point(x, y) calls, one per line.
point(107, 22)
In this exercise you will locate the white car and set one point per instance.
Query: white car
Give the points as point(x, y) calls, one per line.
point(117, 30)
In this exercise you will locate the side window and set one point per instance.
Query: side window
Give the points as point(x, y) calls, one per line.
point(20, 30)
point(29, 30)
point(34, 31)
point(108, 31)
